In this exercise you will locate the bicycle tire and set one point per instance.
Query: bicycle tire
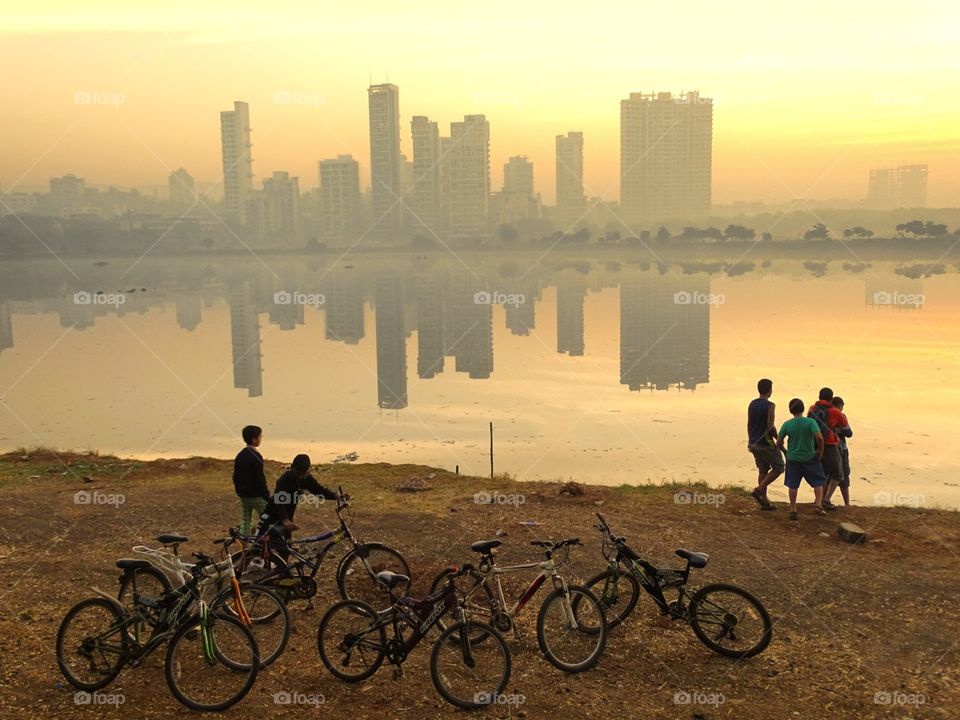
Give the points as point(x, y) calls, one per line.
point(364, 615)
point(367, 590)
point(608, 587)
point(697, 622)
point(275, 614)
point(493, 645)
point(249, 669)
point(114, 667)
point(598, 632)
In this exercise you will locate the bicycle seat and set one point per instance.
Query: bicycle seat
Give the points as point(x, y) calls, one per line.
point(485, 546)
point(171, 539)
point(391, 579)
point(697, 560)
point(131, 564)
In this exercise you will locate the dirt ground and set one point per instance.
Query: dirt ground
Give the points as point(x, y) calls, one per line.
point(868, 631)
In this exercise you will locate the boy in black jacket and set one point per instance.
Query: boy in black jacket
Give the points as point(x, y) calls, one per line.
point(249, 480)
point(278, 515)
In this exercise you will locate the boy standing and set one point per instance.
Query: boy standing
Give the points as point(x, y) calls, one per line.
point(803, 456)
point(249, 480)
point(843, 432)
point(762, 442)
point(831, 421)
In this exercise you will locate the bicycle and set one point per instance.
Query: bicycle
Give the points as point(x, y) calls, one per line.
point(295, 577)
point(212, 658)
point(727, 619)
point(571, 625)
point(256, 606)
point(469, 664)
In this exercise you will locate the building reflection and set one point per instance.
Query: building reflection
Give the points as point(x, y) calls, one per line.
point(245, 338)
point(391, 342)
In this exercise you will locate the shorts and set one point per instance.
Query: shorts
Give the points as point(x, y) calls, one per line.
point(832, 465)
point(768, 457)
point(809, 470)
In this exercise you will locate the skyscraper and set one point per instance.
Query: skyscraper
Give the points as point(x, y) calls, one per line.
point(237, 161)
point(469, 177)
point(666, 148)
point(182, 193)
point(385, 165)
point(340, 199)
point(280, 223)
point(896, 187)
point(245, 339)
point(425, 199)
point(570, 203)
point(517, 199)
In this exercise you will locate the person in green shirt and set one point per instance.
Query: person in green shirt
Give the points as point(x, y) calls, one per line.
point(804, 452)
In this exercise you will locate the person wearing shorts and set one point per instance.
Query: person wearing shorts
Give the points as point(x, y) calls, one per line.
point(832, 422)
point(762, 442)
point(843, 432)
point(804, 452)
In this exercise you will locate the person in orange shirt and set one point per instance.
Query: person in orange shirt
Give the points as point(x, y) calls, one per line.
point(843, 432)
point(830, 421)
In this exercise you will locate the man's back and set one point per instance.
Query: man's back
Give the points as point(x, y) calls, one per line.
point(758, 421)
point(800, 435)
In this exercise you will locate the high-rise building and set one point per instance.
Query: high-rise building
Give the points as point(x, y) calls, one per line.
point(340, 199)
point(278, 211)
point(237, 161)
point(430, 347)
point(425, 195)
point(391, 342)
point(666, 147)
point(517, 199)
point(68, 195)
point(385, 165)
point(904, 186)
point(245, 339)
point(182, 193)
point(343, 301)
point(469, 177)
point(570, 198)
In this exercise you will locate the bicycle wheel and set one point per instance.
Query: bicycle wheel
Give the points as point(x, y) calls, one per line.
point(355, 577)
point(216, 675)
point(572, 641)
point(269, 619)
point(618, 593)
point(92, 644)
point(730, 621)
point(150, 583)
point(470, 674)
point(350, 645)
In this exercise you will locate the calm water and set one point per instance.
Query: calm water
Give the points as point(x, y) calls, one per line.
point(607, 372)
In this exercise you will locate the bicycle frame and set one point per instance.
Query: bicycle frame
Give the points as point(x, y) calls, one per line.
point(406, 610)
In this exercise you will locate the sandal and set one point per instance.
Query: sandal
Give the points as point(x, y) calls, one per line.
point(793, 514)
point(819, 510)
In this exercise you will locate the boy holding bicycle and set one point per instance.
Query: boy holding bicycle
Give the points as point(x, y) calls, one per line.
point(277, 517)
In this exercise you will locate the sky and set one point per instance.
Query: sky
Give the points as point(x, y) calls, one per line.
point(807, 98)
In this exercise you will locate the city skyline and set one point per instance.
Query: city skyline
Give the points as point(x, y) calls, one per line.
point(791, 121)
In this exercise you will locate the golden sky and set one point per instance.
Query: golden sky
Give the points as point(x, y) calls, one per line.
point(807, 98)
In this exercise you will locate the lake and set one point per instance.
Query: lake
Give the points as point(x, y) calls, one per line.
point(606, 371)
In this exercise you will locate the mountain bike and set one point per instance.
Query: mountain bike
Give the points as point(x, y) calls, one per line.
point(294, 577)
point(211, 661)
point(262, 610)
point(469, 663)
point(571, 626)
point(727, 619)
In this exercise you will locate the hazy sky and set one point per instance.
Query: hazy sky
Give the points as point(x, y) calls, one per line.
point(807, 97)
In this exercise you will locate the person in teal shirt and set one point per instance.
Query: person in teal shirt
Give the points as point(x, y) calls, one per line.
point(804, 452)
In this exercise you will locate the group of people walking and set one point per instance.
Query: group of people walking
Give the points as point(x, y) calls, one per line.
point(814, 441)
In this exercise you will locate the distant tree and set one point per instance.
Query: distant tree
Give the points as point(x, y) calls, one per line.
point(712, 233)
point(644, 235)
point(690, 233)
point(663, 235)
point(933, 229)
point(508, 234)
point(817, 232)
point(314, 245)
point(857, 232)
point(739, 232)
point(914, 227)
point(422, 242)
point(766, 237)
